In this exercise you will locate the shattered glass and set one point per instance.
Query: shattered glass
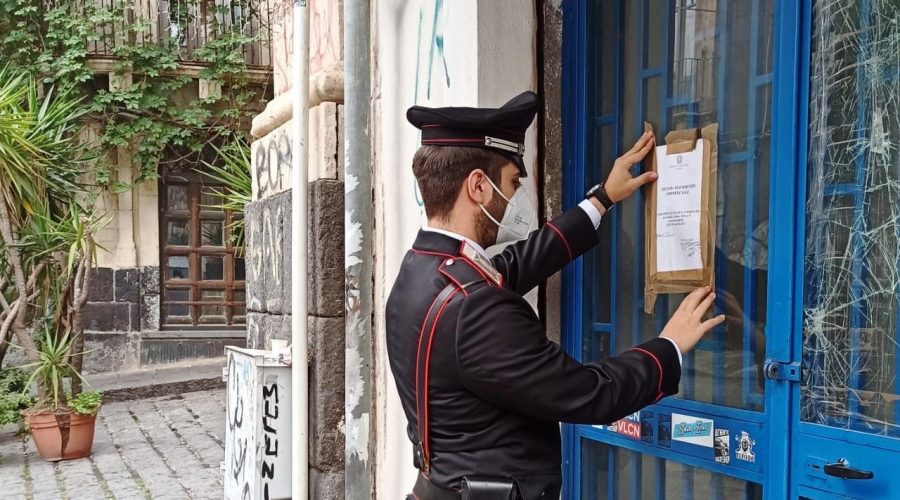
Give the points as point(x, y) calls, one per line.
point(852, 256)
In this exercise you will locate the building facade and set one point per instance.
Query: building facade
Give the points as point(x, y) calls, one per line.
point(169, 283)
point(794, 394)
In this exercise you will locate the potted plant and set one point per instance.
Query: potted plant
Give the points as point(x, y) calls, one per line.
point(62, 427)
point(47, 252)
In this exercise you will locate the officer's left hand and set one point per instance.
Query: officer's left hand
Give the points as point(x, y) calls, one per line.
point(620, 184)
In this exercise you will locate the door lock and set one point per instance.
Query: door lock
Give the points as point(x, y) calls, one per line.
point(843, 470)
point(776, 370)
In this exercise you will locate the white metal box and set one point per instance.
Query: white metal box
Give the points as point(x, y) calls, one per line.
point(257, 426)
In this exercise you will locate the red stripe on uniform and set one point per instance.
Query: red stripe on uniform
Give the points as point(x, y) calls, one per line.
point(438, 254)
point(565, 241)
point(419, 348)
point(428, 369)
point(432, 141)
point(658, 365)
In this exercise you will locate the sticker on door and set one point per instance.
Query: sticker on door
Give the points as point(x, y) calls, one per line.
point(693, 430)
point(721, 446)
point(744, 450)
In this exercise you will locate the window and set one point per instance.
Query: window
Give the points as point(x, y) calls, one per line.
point(202, 272)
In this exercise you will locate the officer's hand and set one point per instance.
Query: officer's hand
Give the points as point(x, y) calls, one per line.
point(687, 326)
point(620, 184)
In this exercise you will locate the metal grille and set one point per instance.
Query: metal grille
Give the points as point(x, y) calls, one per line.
point(188, 25)
point(680, 64)
point(203, 274)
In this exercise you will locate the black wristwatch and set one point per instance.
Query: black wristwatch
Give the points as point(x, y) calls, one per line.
point(599, 193)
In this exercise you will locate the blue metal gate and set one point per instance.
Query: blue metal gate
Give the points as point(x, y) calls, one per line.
point(747, 65)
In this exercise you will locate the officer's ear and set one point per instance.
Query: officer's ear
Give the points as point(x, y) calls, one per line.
point(477, 187)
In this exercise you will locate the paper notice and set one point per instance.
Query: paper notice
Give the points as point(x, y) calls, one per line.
point(678, 198)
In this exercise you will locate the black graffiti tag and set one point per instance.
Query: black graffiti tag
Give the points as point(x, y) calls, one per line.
point(235, 417)
point(270, 414)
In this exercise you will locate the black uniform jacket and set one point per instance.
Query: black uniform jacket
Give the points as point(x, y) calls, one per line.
point(498, 388)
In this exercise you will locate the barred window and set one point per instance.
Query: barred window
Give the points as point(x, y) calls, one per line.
point(202, 272)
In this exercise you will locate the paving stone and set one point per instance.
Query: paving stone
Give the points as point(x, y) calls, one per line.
point(80, 479)
point(43, 474)
point(161, 448)
point(139, 455)
point(192, 431)
point(187, 467)
point(12, 465)
point(112, 466)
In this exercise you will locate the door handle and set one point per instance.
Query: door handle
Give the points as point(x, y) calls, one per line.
point(843, 470)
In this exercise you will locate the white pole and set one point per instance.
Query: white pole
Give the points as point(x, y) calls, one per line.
point(299, 232)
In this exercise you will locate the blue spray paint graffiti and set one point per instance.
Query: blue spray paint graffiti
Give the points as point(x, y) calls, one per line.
point(433, 46)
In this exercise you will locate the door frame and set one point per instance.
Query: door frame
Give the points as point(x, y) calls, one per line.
point(791, 62)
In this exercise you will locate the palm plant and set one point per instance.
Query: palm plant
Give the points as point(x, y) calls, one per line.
point(51, 368)
point(46, 226)
point(231, 173)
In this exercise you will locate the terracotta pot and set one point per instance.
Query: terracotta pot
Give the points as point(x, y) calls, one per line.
point(49, 430)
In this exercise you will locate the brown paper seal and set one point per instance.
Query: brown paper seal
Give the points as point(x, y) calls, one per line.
point(655, 283)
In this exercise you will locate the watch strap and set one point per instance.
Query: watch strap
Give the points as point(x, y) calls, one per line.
point(603, 197)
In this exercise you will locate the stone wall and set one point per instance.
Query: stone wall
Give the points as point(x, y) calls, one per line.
point(121, 303)
point(269, 313)
point(550, 48)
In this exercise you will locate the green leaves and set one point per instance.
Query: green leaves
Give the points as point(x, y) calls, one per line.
point(87, 403)
point(13, 397)
point(51, 368)
point(40, 152)
point(231, 171)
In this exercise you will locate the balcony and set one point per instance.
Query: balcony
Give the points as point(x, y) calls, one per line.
point(186, 26)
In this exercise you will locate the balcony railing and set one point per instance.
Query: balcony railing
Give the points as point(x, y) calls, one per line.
point(188, 25)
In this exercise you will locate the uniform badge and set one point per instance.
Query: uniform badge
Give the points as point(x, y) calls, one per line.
point(481, 263)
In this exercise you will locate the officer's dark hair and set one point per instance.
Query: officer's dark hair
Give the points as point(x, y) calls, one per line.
point(441, 170)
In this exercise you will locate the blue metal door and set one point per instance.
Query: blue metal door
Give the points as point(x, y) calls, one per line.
point(846, 415)
point(808, 244)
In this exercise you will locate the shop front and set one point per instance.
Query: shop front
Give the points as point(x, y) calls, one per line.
point(796, 395)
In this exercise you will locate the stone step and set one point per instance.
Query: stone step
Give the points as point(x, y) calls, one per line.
point(158, 380)
point(174, 347)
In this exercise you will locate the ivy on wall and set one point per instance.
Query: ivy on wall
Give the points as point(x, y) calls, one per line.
point(151, 106)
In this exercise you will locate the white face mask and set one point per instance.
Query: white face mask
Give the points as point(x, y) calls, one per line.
point(517, 217)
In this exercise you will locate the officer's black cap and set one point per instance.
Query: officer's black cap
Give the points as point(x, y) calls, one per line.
point(500, 129)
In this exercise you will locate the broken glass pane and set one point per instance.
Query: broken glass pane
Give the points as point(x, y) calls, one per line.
point(852, 263)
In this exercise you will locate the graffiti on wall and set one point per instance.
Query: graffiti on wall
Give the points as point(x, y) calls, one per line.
point(325, 39)
point(271, 157)
point(325, 43)
point(266, 250)
point(282, 41)
point(431, 63)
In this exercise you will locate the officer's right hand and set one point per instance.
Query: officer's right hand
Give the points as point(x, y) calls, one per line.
point(620, 184)
point(687, 327)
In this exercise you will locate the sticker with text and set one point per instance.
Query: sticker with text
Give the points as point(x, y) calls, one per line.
point(744, 450)
point(722, 446)
point(630, 426)
point(693, 430)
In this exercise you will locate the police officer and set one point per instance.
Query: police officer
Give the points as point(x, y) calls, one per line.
point(482, 387)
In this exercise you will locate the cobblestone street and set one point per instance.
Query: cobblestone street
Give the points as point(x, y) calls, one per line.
point(161, 448)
